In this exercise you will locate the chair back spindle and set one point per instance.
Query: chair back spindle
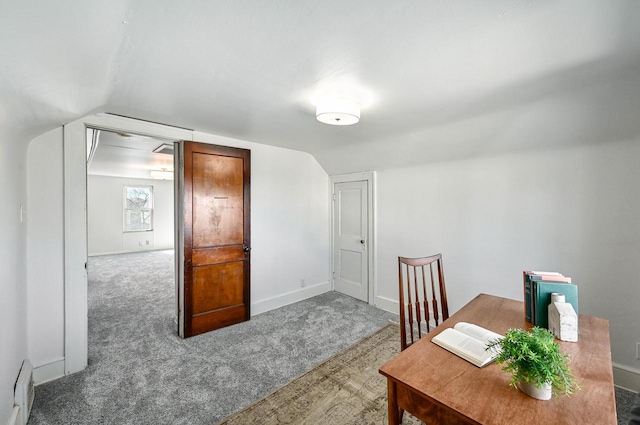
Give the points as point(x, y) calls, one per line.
point(421, 299)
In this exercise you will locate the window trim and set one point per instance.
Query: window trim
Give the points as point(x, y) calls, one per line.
point(125, 209)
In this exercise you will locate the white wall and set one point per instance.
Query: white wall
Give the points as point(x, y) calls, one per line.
point(289, 220)
point(574, 210)
point(45, 273)
point(13, 283)
point(105, 215)
point(289, 233)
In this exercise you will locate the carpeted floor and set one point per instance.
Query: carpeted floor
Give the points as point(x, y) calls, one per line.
point(345, 390)
point(624, 403)
point(348, 390)
point(140, 372)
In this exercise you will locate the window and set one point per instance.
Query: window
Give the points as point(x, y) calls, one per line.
point(138, 208)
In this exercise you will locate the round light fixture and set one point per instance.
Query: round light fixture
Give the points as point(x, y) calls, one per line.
point(162, 174)
point(338, 111)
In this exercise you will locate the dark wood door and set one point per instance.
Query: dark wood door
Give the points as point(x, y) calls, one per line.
point(216, 237)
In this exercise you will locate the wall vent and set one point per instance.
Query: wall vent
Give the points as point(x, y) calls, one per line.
point(24, 392)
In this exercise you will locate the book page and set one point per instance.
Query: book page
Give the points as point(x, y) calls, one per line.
point(464, 346)
point(473, 346)
point(477, 332)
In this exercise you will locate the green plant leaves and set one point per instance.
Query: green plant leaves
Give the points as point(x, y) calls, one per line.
point(535, 357)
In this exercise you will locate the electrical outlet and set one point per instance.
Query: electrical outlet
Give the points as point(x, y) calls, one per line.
point(302, 283)
point(637, 350)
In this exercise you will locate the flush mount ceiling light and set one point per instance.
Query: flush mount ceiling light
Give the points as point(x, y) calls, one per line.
point(162, 174)
point(338, 111)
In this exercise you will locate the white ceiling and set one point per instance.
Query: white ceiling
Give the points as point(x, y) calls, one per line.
point(129, 155)
point(437, 79)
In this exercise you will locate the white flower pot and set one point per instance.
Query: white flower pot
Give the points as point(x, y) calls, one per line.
point(531, 390)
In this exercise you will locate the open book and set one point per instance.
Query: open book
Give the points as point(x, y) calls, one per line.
point(468, 341)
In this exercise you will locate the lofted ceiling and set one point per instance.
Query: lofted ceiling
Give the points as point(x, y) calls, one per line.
point(437, 80)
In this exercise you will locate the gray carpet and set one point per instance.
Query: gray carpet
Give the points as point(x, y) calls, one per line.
point(140, 372)
point(624, 402)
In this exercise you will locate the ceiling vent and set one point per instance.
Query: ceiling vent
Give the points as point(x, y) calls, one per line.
point(164, 148)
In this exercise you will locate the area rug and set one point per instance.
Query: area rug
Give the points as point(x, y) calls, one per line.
point(345, 389)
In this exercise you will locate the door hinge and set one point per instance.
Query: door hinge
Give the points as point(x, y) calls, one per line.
point(334, 196)
point(334, 275)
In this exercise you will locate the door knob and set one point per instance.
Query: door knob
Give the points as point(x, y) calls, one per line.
point(362, 241)
point(246, 249)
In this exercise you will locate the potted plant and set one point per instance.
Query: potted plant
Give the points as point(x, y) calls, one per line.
point(537, 366)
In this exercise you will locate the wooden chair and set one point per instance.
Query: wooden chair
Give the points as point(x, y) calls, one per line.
point(422, 297)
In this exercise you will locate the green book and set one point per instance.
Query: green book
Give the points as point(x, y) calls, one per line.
point(542, 299)
point(530, 276)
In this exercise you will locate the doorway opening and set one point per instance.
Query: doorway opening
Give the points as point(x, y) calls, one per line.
point(130, 193)
point(130, 232)
point(75, 154)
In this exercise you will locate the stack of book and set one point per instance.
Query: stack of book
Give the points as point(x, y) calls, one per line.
point(538, 287)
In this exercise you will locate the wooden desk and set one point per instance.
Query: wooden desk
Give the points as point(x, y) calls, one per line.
point(439, 387)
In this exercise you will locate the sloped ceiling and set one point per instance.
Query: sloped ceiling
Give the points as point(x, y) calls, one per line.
point(437, 79)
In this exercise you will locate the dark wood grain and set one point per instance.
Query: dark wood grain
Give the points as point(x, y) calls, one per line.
point(429, 411)
point(216, 286)
point(423, 297)
point(217, 200)
point(217, 237)
point(427, 375)
point(216, 254)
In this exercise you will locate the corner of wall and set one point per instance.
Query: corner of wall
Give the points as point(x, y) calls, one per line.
point(268, 304)
point(13, 228)
point(48, 372)
point(44, 252)
point(386, 304)
point(626, 377)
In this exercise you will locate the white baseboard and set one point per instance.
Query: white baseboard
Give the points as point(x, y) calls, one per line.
point(289, 298)
point(387, 304)
point(13, 419)
point(626, 377)
point(98, 254)
point(48, 372)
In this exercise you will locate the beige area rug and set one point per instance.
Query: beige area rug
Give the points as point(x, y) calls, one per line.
point(346, 389)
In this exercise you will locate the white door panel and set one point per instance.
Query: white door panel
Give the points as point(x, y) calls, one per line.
point(351, 264)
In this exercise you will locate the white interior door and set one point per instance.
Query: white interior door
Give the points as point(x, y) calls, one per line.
point(350, 236)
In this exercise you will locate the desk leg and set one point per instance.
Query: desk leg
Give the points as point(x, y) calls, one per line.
point(394, 412)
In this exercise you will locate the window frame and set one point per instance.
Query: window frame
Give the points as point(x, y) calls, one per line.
point(125, 209)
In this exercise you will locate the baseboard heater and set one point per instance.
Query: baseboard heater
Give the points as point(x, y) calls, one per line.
point(24, 394)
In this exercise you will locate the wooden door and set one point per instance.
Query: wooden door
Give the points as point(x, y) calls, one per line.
point(350, 227)
point(216, 237)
